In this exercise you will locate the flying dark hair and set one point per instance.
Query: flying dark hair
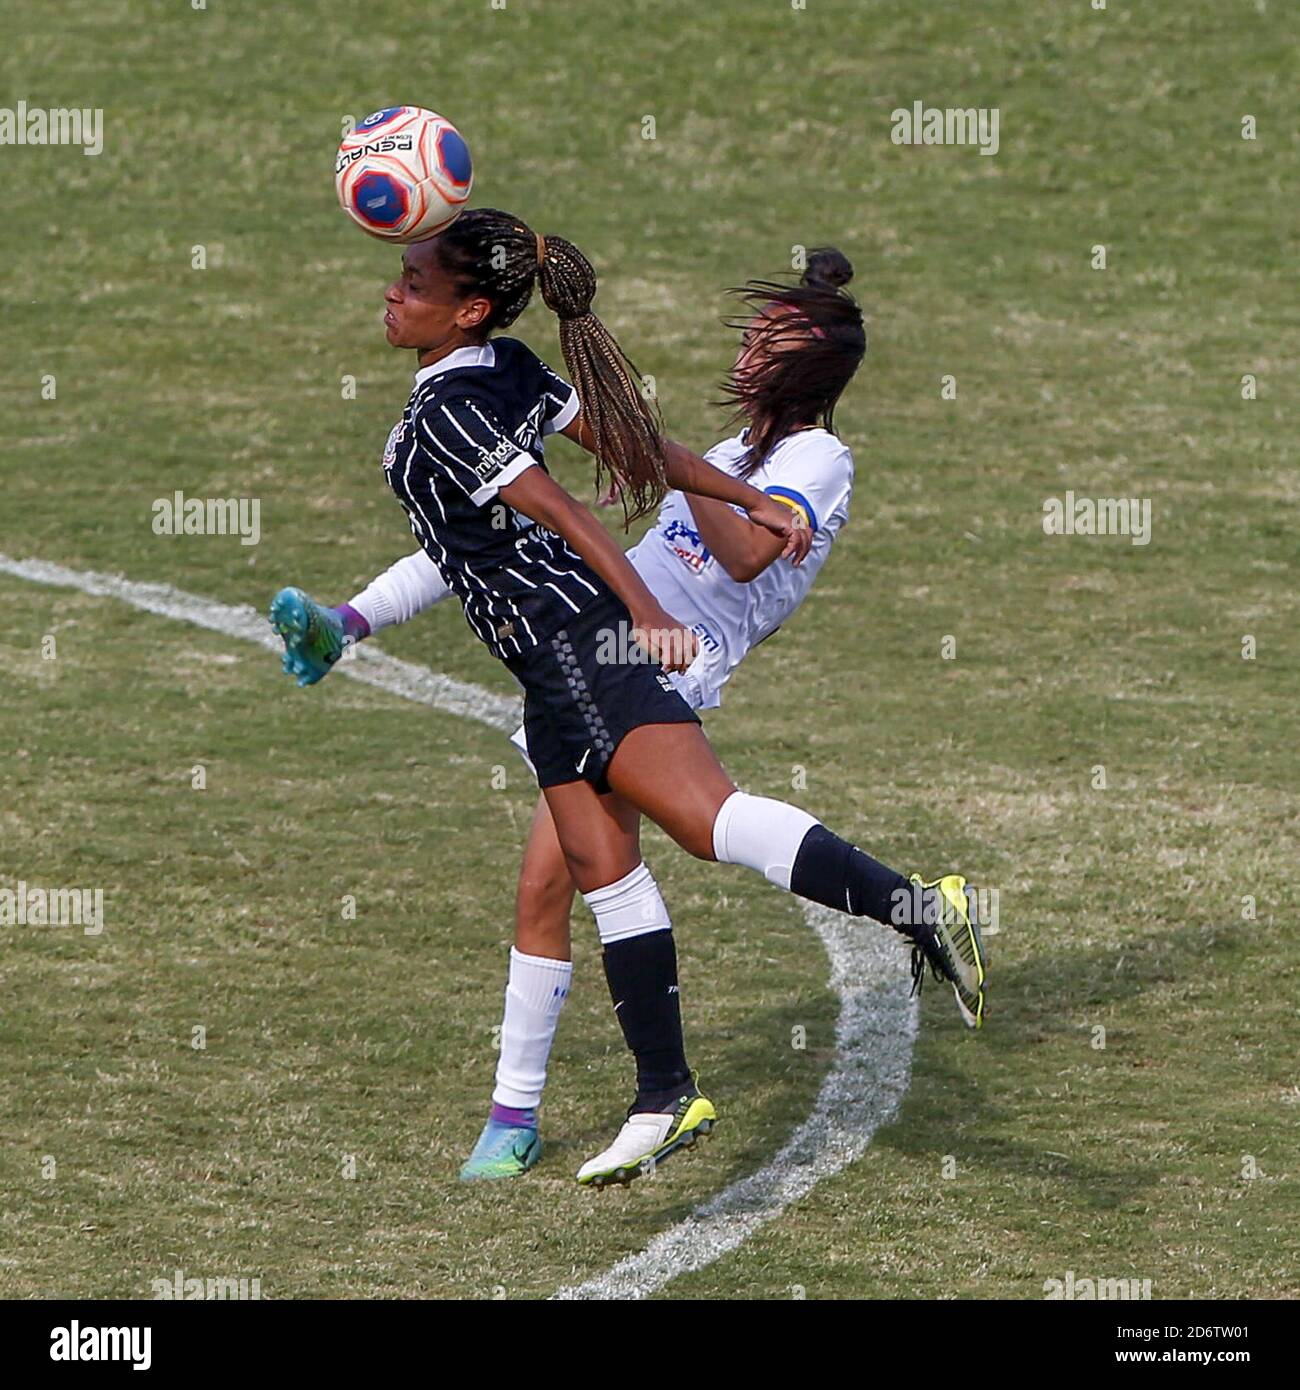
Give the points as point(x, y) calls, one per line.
point(490, 253)
point(798, 384)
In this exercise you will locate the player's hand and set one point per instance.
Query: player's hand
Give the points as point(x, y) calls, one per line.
point(776, 517)
point(672, 644)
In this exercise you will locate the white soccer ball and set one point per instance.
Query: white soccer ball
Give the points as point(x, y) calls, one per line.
point(404, 174)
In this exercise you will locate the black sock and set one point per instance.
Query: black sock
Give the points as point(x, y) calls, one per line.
point(642, 976)
point(837, 874)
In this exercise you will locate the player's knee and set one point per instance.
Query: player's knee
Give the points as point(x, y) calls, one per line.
point(592, 864)
point(544, 898)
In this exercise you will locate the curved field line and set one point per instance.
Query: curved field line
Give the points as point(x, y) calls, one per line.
point(863, 1089)
point(874, 1033)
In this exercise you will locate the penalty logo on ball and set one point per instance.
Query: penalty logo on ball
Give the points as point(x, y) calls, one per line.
point(403, 174)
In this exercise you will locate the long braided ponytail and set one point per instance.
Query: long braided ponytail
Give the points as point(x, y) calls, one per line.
point(488, 252)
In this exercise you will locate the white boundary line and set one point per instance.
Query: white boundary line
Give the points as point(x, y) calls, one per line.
point(874, 1033)
point(367, 664)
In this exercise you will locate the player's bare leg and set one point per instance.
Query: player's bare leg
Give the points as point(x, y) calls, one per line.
point(710, 819)
point(599, 835)
point(545, 892)
point(538, 984)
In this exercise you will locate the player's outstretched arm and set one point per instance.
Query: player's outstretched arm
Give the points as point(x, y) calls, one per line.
point(699, 478)
point(743, 549)
point(691, 474)
point(537, 495)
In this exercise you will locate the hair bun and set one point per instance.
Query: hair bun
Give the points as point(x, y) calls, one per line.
point(828, 267)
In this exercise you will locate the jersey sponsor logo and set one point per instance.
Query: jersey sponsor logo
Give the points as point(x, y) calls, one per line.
point(707, 640)
point(491, 461)
point(395, 436)
point(685, 542)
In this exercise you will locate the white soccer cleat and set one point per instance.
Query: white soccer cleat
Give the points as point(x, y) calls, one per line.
point(648, 1137)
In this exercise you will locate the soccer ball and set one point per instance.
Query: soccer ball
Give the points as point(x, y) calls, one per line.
point(403, 174)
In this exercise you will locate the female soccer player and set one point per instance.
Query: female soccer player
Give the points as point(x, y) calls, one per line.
point(605, 729)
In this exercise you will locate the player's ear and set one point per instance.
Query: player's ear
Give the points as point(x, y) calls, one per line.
point(473, 313)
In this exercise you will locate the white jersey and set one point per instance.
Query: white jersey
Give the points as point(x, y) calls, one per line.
point(810, 471)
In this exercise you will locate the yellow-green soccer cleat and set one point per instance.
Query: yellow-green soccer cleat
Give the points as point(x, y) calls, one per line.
point(948, 940)
point(648, 1137)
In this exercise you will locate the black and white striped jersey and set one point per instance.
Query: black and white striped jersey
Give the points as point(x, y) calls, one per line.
point(474, 422)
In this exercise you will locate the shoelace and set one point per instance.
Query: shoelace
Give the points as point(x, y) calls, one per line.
point(919, 961)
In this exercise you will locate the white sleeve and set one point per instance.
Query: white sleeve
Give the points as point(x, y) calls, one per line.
point(404, 589)
point(560, 402)
point(814, 478)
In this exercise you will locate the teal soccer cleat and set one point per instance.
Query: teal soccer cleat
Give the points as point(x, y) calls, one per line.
point(313, 636)
point(502, 1151)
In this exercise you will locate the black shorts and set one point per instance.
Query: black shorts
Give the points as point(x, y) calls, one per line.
point(584, 690)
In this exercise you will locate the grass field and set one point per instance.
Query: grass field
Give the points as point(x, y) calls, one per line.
point(313, 1141)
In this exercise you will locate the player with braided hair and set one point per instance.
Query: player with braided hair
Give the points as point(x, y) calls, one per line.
point(625, 432)
point(607, 731)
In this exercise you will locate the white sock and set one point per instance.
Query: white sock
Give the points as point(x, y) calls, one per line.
point(535, 994)
point(405, 588)
point(630, 907)
point(761, 834)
